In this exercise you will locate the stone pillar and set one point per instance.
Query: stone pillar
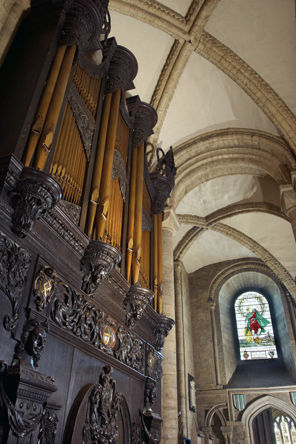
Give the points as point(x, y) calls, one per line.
point(169, 396)
point(288, 201)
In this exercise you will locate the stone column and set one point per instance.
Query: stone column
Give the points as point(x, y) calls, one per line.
point(288, 201)
point(169, 395)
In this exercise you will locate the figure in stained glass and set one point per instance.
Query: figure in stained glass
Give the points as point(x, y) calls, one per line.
point(254, 326)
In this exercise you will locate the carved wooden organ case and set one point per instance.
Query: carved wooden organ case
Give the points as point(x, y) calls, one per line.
point(80, 236)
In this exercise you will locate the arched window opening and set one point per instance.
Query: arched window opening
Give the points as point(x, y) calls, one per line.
point(254, 327)
point(284, 430)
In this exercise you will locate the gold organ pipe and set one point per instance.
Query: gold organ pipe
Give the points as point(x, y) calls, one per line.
point(131, 214)
point(102, 211)
point(59, 142)
point(65, 152)
point(155, 258)
point(62, 140)
point(98, 165)
point(45, 141)
point(44, 104)
point(138, 215)
point(159, 298)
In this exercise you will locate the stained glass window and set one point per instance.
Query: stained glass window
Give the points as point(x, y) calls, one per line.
point(285, 430)
point(254, 327)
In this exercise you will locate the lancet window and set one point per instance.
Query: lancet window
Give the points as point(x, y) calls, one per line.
point(284, 430)
point(254, 327)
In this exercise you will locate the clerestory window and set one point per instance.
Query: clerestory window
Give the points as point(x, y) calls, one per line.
point(254, 327)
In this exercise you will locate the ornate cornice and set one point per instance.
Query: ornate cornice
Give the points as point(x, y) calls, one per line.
point(122, 71)
point(250, 81)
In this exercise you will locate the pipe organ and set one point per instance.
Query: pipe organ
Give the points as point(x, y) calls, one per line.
point(82, 222)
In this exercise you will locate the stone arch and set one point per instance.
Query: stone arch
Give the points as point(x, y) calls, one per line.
point(216, 410)
point(227, 152)
point(257, 407)
point(201, 225)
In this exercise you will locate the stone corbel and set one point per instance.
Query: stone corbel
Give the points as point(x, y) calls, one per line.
point(227, 432)
point(34, 195)
point(135, 303)
point(288, 198)
point(162, 330)
point(98, 260)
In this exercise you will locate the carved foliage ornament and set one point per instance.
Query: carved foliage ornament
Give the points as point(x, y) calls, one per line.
point(98, 260)
point(48, 427)
point(14, 264)
point(71, 311)
point(154, 365)
point(86, 130)
point(35, 193)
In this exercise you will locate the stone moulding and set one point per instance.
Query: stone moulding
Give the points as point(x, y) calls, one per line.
point(135, 303)
point(162, 330)
point(34, 195)
point(98, 260)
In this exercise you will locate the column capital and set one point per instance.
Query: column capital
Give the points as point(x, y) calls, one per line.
point(170, 220)
point(288, 197)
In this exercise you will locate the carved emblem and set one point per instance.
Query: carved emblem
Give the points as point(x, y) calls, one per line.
point(102, 411)
point(135, 303)
point(154, 364)
point(108, 336)
point(34, 195)
point(28, 350)
point(99, 259)
point(44, 287)
point(14, 264)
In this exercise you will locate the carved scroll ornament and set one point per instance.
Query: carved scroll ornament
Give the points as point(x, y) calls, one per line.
point(135, 303)
point(14, 264)
point(99, 259)
point(35, 194)
point(71, 311)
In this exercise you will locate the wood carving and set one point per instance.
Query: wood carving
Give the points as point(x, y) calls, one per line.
point(99, 259)
point(29, 348)
point(162, 330)
point(14, 264)
point(163, 179)
point(48, 427)
point(135, 303)
point(44, 287)
point(35, 194)
point(154, 364)
point(122, 71)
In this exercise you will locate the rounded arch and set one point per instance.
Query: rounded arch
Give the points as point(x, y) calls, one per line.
point(230, 151)
point(258, 406)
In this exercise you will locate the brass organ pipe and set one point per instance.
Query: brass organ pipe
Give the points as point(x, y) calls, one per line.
point(155, 258)
point(69, 166)
point(44, 104)
point(131, 214)
point(138, 215)
point(159, 298)
point(45, 141)
point(102, 211)
point(98, 165)
point(66, 150)
point(62, 140)
point(59, 142)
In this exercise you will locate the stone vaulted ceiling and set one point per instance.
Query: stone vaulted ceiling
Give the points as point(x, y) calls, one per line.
point(221, 75)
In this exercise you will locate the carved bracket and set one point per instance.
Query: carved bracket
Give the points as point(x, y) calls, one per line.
point(98, 260)
point(162, 330)
point(163, 179)
point(122, 71)
point(145, 119)
point(135, 303)
point(14, 264)
point(35, 194)
point(85, 22)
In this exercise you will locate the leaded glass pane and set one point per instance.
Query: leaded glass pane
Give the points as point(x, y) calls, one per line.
point(254, 327)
